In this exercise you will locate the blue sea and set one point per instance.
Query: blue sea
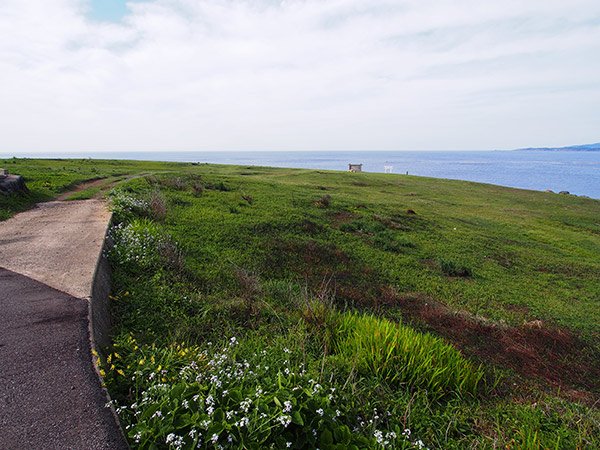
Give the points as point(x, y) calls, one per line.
point(576, 172)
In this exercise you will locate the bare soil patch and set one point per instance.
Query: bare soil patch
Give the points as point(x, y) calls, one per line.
point(549, 354)
point(96, 182)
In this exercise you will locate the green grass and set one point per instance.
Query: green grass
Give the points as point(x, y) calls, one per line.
point(403, 357)
point(473, 323)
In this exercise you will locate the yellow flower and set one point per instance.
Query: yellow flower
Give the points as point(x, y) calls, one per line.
point(102, 372)
point(117, 355)
point(159, 367)
point(120, 372)
point(142, 361)
point(109, 359)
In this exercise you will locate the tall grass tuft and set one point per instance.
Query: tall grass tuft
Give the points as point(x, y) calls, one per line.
point(404, 357)
point(157, 204)
point(453, 269)
point(318, 311)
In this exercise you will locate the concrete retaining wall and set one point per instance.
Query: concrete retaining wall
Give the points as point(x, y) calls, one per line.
point(100, 321)
point(100, 318)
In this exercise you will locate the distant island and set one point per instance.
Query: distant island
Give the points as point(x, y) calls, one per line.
point(570, 148)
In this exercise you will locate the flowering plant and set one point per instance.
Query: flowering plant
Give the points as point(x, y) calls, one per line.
point(219, 399)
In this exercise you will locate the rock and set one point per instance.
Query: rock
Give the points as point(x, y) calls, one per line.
point(564, 193)
point(13, 184)
point(550, 190)
point(410, 211)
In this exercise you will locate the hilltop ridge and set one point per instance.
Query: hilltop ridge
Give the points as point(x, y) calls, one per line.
point(571, 148)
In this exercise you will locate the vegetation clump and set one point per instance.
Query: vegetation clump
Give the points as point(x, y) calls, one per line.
point(453, 269)
point(400, 356)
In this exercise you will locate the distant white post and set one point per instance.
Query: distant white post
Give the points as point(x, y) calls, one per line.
point(388, 169)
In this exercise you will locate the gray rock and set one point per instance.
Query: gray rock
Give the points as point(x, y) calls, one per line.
point(12, 184)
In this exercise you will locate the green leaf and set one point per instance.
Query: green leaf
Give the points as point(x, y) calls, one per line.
point(297, 418)
point(338, 434)
point(218, 415)
point(215, 428)
point(182, 421)
point(326, 438)
point(149, 412)
point(235, 395)
point(177, 390)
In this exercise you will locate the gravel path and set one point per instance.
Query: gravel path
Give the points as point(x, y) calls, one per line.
point(50, 395)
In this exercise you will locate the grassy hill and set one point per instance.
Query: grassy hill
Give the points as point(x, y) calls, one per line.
point(261, 307)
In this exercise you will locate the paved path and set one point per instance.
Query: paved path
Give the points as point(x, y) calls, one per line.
point(50, 395)
point(57, 243)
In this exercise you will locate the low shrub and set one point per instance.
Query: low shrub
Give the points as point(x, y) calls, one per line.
point(197, 188)
point(171, 254)
point(247, 197)
point(125, 206)
point(136, 244)
point(350, 227)
point(363, 226)
point(157, 204)
point(177, 183)
point(386, 240)
point(323, 202)
point(220, 186)
point(453, 269)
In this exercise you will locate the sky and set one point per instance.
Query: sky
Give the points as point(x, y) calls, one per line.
point(248, 75)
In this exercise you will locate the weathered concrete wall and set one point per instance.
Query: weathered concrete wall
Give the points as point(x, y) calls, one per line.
point(100, 321)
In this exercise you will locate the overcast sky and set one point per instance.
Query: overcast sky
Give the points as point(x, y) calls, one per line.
point(298, 74)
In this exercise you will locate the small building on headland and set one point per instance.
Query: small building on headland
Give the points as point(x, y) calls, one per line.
point(354, 167)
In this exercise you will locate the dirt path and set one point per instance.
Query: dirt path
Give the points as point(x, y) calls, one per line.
point(103, 184)
point(98, 182)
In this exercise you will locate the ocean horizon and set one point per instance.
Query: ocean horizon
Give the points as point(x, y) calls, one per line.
point(573, 171)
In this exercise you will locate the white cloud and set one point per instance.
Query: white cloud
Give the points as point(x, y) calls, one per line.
point(299, 74)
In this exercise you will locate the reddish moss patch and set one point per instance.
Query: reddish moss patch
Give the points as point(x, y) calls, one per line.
point(312, 262)
point(535, 350)
point(340, 217)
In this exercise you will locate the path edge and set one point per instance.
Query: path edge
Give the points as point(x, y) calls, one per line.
point(99, 318)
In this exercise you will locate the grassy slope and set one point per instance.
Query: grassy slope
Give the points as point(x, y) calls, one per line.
point(529, 308)
point(525, 248)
